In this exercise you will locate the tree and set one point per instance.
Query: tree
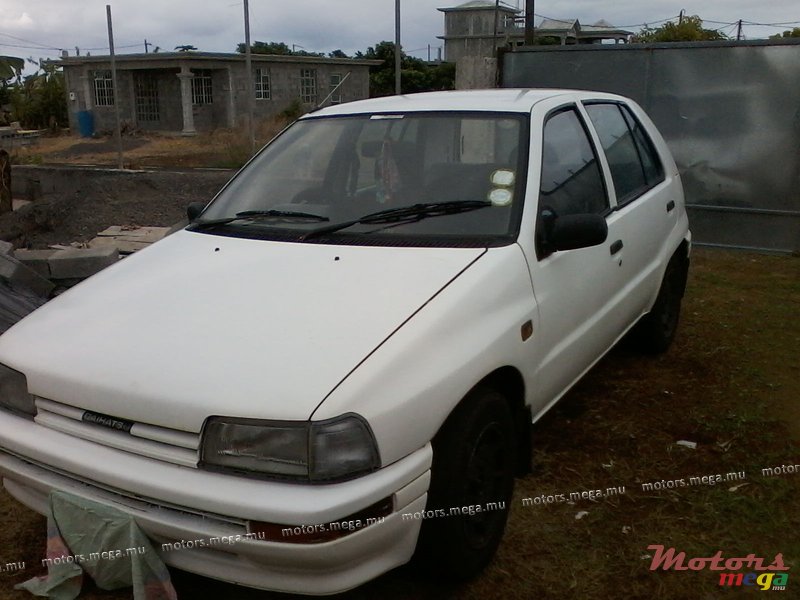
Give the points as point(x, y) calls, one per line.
point(337, 54)
point(279, 48)
point(793, 33)
point(688, 29)
point(10, 69)
point(39, 100)
point(415, 74)
point(185, 48)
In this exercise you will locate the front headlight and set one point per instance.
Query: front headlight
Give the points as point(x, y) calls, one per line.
point(331, 450)
point(14, 394)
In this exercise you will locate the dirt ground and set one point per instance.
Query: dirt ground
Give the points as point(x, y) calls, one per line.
point(88, 201)
point(730, 384)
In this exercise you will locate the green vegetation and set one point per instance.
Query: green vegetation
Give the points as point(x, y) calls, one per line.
point(789, 33)
point(688, 29)
point(416, 74)
point(37, 101)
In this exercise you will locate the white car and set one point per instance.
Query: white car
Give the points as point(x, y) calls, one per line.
point(340, 358)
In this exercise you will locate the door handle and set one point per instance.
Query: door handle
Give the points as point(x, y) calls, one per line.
point(670, 205)
point(616, 247)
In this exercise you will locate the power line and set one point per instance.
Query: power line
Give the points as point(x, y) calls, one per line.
point(19, 39)
point(26, 47)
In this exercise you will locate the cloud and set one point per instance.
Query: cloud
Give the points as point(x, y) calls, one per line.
point(21, 23)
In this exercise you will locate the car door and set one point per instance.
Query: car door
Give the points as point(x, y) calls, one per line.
point(577, 291)
point(645, 197)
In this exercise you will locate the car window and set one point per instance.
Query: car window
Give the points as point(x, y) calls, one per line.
point(342, 168)
point(621, 151)
point(571, 181)
point(653, 169)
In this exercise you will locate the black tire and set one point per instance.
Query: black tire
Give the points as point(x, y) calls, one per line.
point(473, 464)
point(655, 332)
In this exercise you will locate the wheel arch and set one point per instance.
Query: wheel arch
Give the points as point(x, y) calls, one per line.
point(510, 383)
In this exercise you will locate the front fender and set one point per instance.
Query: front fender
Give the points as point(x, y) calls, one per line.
point(409, 385)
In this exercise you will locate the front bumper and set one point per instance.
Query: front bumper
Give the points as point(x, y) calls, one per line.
point(173, 504)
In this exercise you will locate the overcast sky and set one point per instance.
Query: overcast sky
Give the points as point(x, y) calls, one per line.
point(39, 28)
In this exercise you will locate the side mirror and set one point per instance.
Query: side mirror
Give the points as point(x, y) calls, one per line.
point(570, 232)
point(194, 209)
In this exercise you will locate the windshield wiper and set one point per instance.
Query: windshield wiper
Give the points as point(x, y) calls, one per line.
point(254, 214)
point(412, 213)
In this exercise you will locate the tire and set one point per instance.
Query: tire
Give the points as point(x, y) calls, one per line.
point(473, 464)
point(655, 332)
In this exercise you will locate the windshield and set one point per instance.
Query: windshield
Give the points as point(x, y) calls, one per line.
point(377, 179)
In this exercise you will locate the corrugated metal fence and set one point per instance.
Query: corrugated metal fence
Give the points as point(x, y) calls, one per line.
point(730, 112)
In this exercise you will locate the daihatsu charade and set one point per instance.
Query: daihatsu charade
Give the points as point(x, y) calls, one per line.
point(339, 359)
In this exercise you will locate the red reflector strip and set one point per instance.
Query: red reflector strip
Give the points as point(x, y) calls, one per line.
point(323, 532)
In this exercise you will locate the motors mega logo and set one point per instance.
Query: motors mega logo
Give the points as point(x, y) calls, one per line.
point(756, 573)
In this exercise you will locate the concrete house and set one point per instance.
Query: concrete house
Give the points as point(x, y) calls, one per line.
point(477, 28)
point(200, 91)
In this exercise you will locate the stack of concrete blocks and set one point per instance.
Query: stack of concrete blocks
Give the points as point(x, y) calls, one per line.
point(14, 271)
point(68, 265)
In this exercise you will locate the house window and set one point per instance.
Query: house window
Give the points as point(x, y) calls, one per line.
point(146, 88)
point(308, 85)
point(336, 96)
point(201, 86)
point(103, 88)
point(262, 84)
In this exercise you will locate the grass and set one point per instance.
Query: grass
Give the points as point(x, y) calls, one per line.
point(729, 384)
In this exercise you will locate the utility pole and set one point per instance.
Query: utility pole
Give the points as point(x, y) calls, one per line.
point(248, 67)
point(146, 44)
point(397, 50)
point(680, 17)
point(114, 95)
point(530, 33)
point(739, 31)
point(496, 17)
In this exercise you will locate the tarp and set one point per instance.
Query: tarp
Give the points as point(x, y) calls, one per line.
point(85, 536)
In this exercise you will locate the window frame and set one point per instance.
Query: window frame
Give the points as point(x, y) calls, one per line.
point(262, 90)
point(540, 243)
point(336, 98)
point(308, 86)
point(624, 109)
point(103, 93)
point(146, 98)
point(202, 87)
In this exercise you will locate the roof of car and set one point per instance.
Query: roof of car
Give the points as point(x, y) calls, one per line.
point(506, 100)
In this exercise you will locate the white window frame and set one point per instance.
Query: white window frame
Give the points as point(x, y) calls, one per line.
point(262, 88)
point(308, 86)
point(202, 87)
point(335, 80)
point(103, 88)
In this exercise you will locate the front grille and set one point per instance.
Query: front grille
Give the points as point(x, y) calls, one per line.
point(152, 441)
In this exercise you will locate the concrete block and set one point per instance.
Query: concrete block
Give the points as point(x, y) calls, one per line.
point(81, 262)
point(13, 270)
point(6, 247)
point(124, 247)
point(36, 260)
point(16, 203)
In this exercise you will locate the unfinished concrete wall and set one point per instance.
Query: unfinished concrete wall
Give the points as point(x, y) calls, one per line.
point(476, 73)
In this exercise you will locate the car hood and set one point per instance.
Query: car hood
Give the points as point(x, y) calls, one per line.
point(200, 325)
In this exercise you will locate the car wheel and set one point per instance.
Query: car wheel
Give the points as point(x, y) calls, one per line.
point(473, 467)
point(656, 330)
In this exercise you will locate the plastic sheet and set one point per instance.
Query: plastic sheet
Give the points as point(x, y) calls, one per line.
point(84, 536)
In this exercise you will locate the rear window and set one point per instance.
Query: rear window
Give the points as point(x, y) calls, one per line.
point(632, 159)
